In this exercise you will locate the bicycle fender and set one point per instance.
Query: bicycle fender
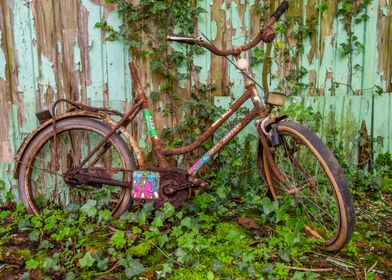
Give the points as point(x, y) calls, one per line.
point(79, 113)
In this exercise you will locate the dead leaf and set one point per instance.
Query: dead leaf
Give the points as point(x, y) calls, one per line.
point(312, 232)
point(248, 223)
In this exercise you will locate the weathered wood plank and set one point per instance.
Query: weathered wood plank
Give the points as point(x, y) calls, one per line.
point(50, 49)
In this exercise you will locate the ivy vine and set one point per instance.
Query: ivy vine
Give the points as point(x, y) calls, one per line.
point(144, 28)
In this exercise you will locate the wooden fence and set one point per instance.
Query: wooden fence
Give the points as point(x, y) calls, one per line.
point(50, 49)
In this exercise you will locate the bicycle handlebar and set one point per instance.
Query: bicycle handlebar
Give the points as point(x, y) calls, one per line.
point(281, 10)
point(267, 35)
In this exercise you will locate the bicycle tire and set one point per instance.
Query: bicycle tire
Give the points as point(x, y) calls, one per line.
point(38, 159)
point(338, 190)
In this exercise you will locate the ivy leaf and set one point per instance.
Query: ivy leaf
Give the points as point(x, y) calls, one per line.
point(155, 65)
point(100, 24)
point(102, 264)
point(25, 276)
point(158, 6)
point(162, 239)
point(89, 208)
point(72, 207)
point(269, 206)
point(32, 264)
point(187, 222)
point(132, 266)
point(34, 235)
point(182, 255)
point(216, 265)
point(23, 224)
point(70, 276)
point(104, 215)
point(44, 245)
point(168, 209)
point(87, 260)
point(267, 268)
point(167, 268)
point(118, 239)
point(48, 264)
point(284, 255)
point(200, 10)
point(158, 220)
point(210, 275)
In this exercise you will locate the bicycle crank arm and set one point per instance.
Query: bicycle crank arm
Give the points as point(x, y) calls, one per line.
point(193, 182)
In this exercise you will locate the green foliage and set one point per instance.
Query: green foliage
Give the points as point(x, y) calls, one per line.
point(132, 267)
point(144, 29)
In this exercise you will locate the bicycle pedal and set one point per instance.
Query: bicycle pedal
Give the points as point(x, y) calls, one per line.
point(197, 182)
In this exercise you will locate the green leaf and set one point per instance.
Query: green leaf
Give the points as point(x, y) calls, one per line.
point(4, 214)
point(187, 222)
point(155, 65)
point(269, 206)
point(100, 24)
point(168, 209)
point(48, 264)
point(118, 239)
point(32, 264)
point(87, 260)
point(45, 244)
point(34, 235)
point(102, 264)
point(132, 266)
point(23, 224)
point(25, 276)
point(70, 276)
point(104, 215)
point(162, 239)
point(89, 208)
point(167, 268)
point(158, 220)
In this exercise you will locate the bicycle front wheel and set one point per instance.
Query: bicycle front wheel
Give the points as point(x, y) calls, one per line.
point(310, 174)
point(42, 179)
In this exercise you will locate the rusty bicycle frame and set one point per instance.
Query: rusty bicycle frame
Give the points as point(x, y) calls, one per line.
point(140, 101)
point(141, 104)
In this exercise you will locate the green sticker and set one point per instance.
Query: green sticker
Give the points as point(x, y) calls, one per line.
point(150, 122)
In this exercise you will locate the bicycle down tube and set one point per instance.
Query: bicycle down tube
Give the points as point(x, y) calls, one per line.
point(218, 146)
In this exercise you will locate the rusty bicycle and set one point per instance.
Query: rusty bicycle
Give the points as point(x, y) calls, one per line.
point(87, 152)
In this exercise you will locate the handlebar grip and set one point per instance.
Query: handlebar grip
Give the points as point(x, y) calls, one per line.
point(281, 10)
point(181, 39)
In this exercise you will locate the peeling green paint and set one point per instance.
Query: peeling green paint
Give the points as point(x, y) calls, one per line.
point(47, 74)
point(96, 54)
point(227, 22)
point(27, 58)
point(2, 60)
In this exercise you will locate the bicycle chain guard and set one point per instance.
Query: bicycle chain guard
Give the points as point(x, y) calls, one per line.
point(160, 185)
point(145, 184)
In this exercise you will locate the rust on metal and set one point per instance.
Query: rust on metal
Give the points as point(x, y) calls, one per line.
point(233, 132)
point(203, 137)
point(270, 159)
point(78, 113)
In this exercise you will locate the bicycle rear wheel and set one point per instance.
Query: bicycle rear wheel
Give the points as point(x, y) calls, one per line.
point(42, 183)
point(317, 182)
